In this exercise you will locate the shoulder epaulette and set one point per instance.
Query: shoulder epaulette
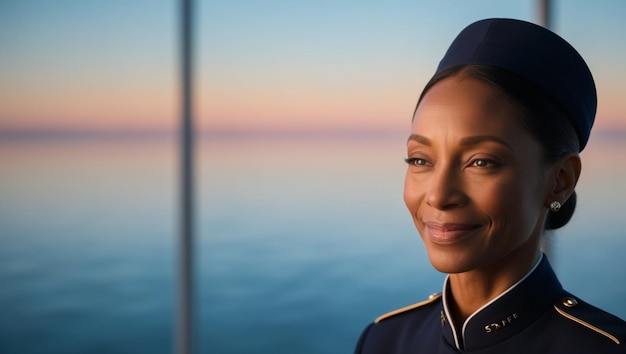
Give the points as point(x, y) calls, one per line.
point(431, 298)
point(578, 311)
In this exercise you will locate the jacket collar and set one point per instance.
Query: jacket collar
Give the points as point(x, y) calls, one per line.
point(506, 315)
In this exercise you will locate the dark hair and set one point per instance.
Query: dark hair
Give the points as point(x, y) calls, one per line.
point(541, 117)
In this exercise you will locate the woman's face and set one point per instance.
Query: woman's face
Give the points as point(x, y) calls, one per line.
point(475, 185)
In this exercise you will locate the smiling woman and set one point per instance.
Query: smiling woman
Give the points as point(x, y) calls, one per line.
point(473, 170)
point(493, 160)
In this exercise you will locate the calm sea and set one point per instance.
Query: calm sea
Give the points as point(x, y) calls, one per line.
point(301, 243)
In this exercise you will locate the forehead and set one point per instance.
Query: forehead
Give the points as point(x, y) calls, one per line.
point(466, 106)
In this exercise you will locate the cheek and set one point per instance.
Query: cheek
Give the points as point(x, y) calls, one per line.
point(410, 194)
point(510, 200)
point(498, 196)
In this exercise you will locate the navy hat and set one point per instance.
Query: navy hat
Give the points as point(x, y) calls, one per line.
point(536, 54)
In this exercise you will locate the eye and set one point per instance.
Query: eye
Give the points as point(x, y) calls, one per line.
point(416, 161)
point(483, 163)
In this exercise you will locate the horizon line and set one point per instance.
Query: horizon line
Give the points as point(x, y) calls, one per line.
point(610, 133)
point(201, 134)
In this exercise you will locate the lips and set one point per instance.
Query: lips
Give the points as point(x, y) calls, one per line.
point(449, 233)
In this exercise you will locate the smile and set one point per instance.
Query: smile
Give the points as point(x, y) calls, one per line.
point(449, 233)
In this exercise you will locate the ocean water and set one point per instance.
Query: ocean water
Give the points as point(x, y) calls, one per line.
point(300, 243)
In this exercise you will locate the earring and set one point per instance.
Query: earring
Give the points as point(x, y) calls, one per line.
point(555, 206)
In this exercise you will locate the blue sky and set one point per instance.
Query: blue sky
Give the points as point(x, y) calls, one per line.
point(112, 64)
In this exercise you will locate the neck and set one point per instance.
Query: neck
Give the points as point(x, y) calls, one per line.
point(472, 290)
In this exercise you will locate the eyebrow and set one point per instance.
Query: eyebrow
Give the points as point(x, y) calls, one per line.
point(469, 141)
point(420, 139)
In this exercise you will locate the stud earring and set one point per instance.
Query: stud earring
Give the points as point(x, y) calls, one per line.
point(555, 206)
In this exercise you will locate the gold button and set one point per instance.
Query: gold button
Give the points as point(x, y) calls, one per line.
point(570, 302)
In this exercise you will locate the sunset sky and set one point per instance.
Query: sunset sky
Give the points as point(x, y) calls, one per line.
point(269, 65)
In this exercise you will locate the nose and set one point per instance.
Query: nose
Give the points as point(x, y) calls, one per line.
point(445, 188)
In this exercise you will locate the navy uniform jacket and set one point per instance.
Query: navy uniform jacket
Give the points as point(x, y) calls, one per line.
point(533, 316)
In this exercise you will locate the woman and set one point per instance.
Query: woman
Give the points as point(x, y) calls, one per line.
point(493, 162)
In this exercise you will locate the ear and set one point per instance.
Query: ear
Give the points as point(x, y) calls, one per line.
point(564, 176)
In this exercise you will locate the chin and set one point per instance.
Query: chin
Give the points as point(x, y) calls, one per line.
point(450, 262)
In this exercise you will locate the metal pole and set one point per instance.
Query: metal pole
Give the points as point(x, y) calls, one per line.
point(185, 329)
point(544, 13)
point(544, 19)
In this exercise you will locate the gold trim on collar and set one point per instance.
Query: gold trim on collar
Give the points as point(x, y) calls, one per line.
point(590, 326)
point(431, 298)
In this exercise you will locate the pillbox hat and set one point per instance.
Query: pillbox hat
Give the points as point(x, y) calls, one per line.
point(536, 54)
